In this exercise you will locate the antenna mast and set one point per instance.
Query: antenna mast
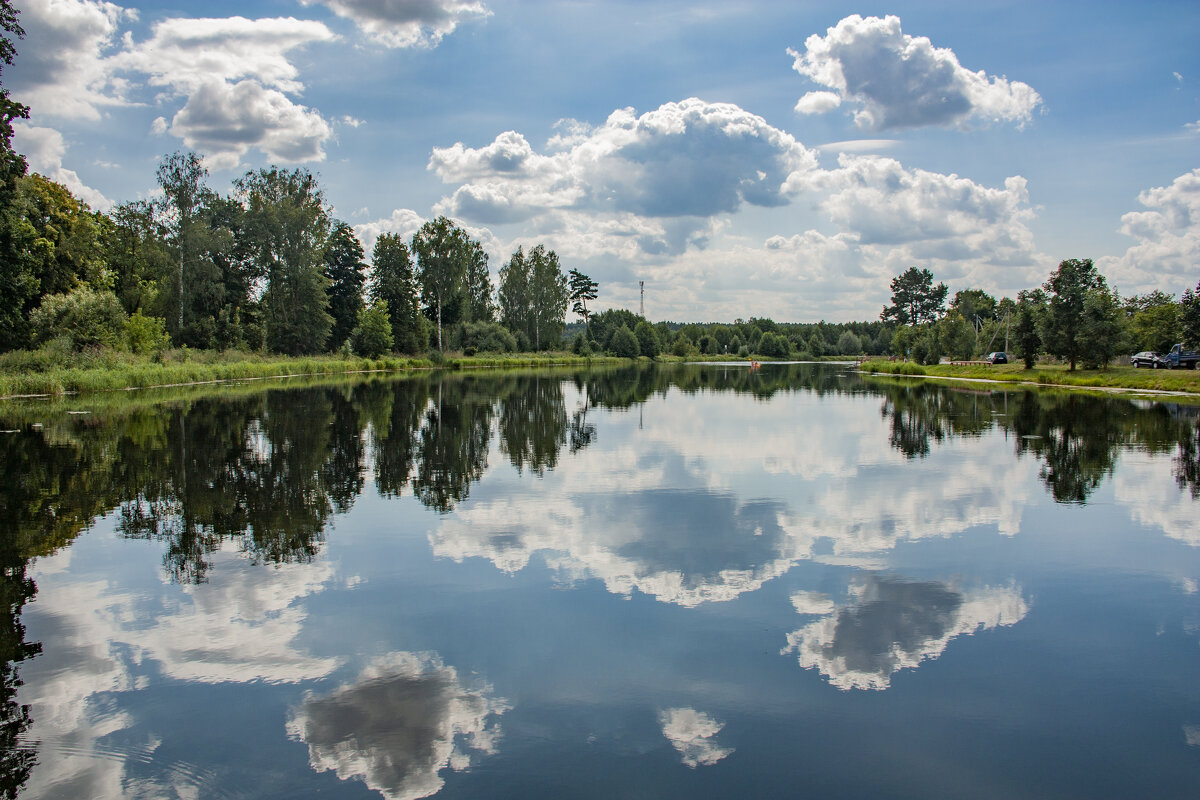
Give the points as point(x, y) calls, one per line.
point(642, 303)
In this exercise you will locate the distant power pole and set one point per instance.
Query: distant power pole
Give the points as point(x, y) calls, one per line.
point(642, 303)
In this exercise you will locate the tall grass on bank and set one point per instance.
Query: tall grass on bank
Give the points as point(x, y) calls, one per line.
point(47, 372)
point(1050, 375)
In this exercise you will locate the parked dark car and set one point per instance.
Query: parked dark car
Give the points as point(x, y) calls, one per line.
point(997, 358)
point(1144, 359)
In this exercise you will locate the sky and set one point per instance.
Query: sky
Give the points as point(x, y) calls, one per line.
point(750, 159)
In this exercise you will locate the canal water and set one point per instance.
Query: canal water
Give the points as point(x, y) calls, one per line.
point(676, 581)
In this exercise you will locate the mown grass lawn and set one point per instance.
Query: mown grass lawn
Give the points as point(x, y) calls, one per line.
point(1118, 377)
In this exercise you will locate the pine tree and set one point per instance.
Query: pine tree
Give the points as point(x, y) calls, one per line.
point(394, 283)
point(345, 270)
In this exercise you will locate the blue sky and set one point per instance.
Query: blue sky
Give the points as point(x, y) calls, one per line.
point(773, 159)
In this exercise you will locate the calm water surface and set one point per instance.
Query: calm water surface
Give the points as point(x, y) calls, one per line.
point(678, 582)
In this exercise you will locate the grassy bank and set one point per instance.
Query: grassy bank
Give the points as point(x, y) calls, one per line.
point(48, 373)
point(1051, 375)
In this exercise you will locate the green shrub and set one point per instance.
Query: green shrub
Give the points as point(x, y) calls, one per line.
point(146, 335)
point(87, 317)
point(683, 347)
point(624, 344)
point(487, 337)
point(773, 345)
point(372, 337)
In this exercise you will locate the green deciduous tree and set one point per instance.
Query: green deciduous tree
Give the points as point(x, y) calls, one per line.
point(848, 344)
point(287, 227)
point(346, 272)
point(547, 298)
point(513, 295)
point(487, 337)
point(774, 345)
point(54, 243)
point(146, 335)
point(648, 344)
point(1030, 307)
point(137, 255)
point(1063, 322)
point(1101, 328)
point(957, 338)
point(974, 304)
point(914, 298)
point(181, 178)
point(533, 296)
point(442, 250)
point(1154, 321)
point(477, 286)
point(18, 286)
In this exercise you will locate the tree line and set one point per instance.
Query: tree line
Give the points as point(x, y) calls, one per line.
point(265, 267)
point(1074, 316)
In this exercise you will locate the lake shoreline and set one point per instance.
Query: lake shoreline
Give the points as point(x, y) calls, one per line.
point(1115, 380)
point(200, 368)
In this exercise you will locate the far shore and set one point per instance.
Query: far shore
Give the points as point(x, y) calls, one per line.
point(1123, 379)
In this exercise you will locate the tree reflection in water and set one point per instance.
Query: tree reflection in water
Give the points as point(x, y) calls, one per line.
point(1076, 438)
point(270, 468)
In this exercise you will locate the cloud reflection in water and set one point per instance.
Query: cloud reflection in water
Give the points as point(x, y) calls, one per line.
point(398, 725)
point(893, 625)
point(694, 734)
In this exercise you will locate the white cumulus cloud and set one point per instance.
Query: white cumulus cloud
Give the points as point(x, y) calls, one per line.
point(403, 221)
point(44, 150)
point(185, 54)
point(685, 161)
point(965, 228)
point(818, 102)
point(900, 81)
point(224, 121)
point(1168, 239)
point(61, 70)
point(406, 23)
point(238, 80)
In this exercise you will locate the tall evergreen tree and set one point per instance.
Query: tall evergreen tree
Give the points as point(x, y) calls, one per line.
point(582, 289)
point(287, 227)
point(345, 270)
point(914, 298)
point(394, 283)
